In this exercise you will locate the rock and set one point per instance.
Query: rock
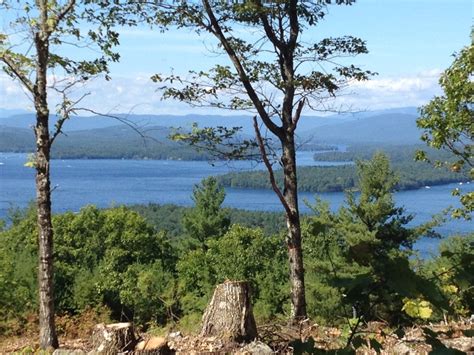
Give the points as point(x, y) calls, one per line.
point(174, 335)
point(151, 344)
point(256, 348)
point(464, 344)
point(68, 352)
point(154, 345)
point(402, 348)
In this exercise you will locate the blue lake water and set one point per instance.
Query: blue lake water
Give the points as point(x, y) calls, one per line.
point(111, 182)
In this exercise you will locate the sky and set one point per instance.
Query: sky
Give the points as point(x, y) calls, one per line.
point(410, 43)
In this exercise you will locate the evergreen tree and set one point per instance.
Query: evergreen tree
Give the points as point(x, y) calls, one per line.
point(365, 248)
point(207, 219)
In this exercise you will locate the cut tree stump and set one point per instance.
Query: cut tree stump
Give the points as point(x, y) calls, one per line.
point(113, 338)
point(229, 314)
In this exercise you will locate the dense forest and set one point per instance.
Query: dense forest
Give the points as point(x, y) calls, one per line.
point(168, 218)
point(157, 265)
point(412, 174)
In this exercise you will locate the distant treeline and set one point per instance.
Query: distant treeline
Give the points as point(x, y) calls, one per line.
point(396, 153)
point(168, 218)
point(120, 142)
point(412, 174)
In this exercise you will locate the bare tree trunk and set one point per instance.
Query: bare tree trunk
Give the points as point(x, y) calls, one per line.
point(48, 338)
point(295, 254)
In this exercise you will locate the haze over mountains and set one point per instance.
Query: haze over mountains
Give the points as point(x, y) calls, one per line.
point(394, 126)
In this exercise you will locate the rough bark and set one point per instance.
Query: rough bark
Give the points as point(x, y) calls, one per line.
point(289, 200)
point(295, 254)
point(229, 314)
point(48, 338)
point(113, 338)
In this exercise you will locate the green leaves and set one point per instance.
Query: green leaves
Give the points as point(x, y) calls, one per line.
point(62, 26)
point(102, 257)
point(240, 254)
point(448, 120)
point(30, 161)
point(274, 69)
point(417, 308)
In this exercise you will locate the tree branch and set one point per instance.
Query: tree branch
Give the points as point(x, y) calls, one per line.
point(65, 10)
point(294, 24)
point(24, 80)
point(241, 71)
point(118, 118)
point(268, 28)
point(66, 114)
point(270, 168)
point(297, 115)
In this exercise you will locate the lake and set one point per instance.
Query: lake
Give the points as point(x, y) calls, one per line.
point(109, 182)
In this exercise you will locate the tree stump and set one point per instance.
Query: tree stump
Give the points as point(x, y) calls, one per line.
point(229, 314)
point(113, 338)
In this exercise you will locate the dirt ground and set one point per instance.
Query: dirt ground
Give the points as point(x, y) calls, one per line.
point(306, 338)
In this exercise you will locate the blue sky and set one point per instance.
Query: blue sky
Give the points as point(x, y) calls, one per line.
point(410, 43)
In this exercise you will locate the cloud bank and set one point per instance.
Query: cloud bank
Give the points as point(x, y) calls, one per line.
point(138, 95)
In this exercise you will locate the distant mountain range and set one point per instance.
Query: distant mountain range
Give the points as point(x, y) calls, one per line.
point(118, 142)
point(394, 126)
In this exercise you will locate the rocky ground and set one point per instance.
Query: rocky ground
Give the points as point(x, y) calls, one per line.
point(307, 338)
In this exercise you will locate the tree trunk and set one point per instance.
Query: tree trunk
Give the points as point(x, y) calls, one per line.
point(47, 329)
point(48, 336)
point(229, 314)
point(113, 338)
point(295, 254)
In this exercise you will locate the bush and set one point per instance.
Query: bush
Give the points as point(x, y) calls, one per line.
point(107, 258)
point(453, 272)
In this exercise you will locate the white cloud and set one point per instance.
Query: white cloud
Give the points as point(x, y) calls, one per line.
point(12, 95)
point(139, 95)
point(391, 92)
point(422, 81)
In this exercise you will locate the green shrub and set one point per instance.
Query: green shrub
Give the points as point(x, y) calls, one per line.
point(107, 258)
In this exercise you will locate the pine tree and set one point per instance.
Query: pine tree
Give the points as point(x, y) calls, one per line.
point(207, 219)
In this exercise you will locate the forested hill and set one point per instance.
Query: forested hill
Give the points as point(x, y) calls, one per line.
point(393, 128)
point(119, 142)
point(107, 138)
point(412, 174)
